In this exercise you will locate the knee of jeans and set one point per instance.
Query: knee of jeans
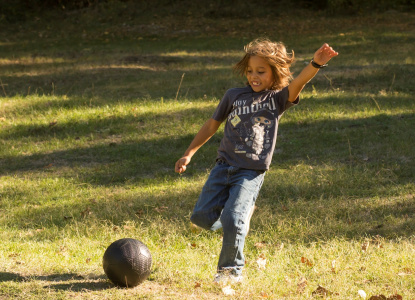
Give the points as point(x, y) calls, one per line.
point(233, 222)
point(202, 221)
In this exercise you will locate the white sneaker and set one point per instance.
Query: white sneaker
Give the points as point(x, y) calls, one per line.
point(225, 278)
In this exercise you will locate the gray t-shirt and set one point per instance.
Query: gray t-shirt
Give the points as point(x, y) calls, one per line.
point(251, 125)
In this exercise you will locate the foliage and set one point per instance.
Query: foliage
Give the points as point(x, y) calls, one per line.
point(20, 10)
point(365, 6)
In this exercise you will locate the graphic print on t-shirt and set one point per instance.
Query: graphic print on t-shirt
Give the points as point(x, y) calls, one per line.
point(251, 126)
point(255, 134)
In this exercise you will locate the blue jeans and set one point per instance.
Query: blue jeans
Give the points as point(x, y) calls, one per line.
point(226, 201)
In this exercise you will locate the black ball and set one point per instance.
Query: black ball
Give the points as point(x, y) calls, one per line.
point(127, 262)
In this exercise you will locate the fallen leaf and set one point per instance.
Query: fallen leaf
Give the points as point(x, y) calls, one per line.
point(365, 246)
point(264, 295)
point(261, 263)
point(88, 260)
point(197, 285)
point(394, 297)
point(62, 251)
point(86, 212)
point(378, 297)
point(406, 272)
point(260, 244)
point(306, 261)
point(161, 209)
point(383, 297)
point(301, 285)
point(284, 208)
point(53, 123)
point(228, 291)
point(321, 291)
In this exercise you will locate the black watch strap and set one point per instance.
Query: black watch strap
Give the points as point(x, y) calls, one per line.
point(316, 65)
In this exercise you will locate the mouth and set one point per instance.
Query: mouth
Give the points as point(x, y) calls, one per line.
point(255, 83)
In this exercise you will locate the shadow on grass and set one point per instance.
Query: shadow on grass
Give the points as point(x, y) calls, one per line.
point(65, 282)
point(107, 74)
point(373, 142)
point(340, 217)
point(111, 163)
point(115, 149)
point(81, 286)
point(377, 149)
point(126, 78)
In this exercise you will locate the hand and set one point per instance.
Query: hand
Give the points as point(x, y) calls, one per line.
point(324, 54)
point(181, 164)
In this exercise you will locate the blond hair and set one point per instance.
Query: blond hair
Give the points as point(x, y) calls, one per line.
point(275, 54)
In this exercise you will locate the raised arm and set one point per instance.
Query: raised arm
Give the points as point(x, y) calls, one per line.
point(204, 134)
point(321, 57)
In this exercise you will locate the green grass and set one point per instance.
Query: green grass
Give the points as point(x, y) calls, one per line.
point(92, 121)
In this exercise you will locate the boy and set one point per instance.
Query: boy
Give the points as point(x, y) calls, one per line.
point(245, 153)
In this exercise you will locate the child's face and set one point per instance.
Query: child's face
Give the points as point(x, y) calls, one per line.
point(259, 74)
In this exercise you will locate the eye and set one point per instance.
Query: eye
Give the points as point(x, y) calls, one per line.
point(267, 122)
point(258, 119)
point(261, 72)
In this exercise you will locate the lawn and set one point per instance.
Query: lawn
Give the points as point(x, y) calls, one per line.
point(97, 105)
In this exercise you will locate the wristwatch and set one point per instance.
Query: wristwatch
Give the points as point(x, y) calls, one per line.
point(316, 65)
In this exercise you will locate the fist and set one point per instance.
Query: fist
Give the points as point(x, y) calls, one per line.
point(181, 164)
point(324, 54)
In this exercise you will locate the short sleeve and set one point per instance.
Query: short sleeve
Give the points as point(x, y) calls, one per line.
point(283, 103)
point(223, 109)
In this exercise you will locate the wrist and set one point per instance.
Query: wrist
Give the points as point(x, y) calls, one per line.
point(187, 156)
point(316, 65)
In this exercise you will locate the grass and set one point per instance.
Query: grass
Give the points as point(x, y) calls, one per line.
point(91, 129)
